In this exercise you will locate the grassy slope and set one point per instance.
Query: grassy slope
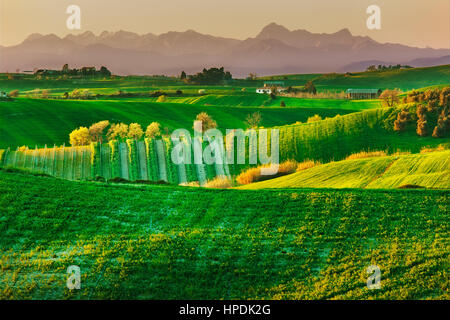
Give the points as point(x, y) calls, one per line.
point(336, 138)
point(190, 243)
point(431, 170)
point(405, 79)
point(105, 86)
point(37, 121)
point(428, 170)
point(264, 100)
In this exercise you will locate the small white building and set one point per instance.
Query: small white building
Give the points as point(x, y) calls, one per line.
point(268, 90)
point(3, 94)
point(264, 90)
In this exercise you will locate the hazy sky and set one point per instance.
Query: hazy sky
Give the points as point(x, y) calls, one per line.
point(413, 22)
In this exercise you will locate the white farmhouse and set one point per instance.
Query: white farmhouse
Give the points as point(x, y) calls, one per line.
point(264, 90)
point(268, 89)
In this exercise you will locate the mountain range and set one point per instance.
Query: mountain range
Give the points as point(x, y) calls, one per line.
point(275, 50)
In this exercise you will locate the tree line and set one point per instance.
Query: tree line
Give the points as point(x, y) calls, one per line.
point(208, 76)
point(389, 67)
point(432, 113)
point(98, 131)
point(84, 72)
point(102, 130)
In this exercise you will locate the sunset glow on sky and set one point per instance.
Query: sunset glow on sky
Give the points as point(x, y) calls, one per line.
point(412, 22)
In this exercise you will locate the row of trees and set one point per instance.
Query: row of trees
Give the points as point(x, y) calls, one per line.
point(97, 132)
point(308, 87)
point(84, 71)
point(102, 130)
point(208, 76)
point(389, 67)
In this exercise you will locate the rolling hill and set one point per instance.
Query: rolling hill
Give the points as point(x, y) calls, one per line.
point(430, 170)
point(336, 138)
point(142, 242)
point(361, 66)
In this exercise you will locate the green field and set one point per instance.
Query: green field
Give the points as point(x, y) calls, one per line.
point(189, 243)
point(429, 170)
point(258, 100)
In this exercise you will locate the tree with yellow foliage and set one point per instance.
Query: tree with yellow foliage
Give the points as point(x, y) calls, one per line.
point(79, 137)
point(161, 98)
point(96, 130)
point(153, 130)
point(206, 120)
point(314, 118)
point(390, 97)
point(135, 131)
point(117, 130)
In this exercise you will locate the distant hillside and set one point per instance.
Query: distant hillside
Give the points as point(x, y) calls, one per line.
point(430, 170)
point(404, 79)
point(274, 50)
point(420, 62)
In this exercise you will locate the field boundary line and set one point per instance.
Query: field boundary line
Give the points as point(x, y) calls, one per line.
point(382, 173)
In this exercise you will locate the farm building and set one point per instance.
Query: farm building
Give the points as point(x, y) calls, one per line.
point(267, 89)
point(264, 90)
point(3, 94)
point(363, 93)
